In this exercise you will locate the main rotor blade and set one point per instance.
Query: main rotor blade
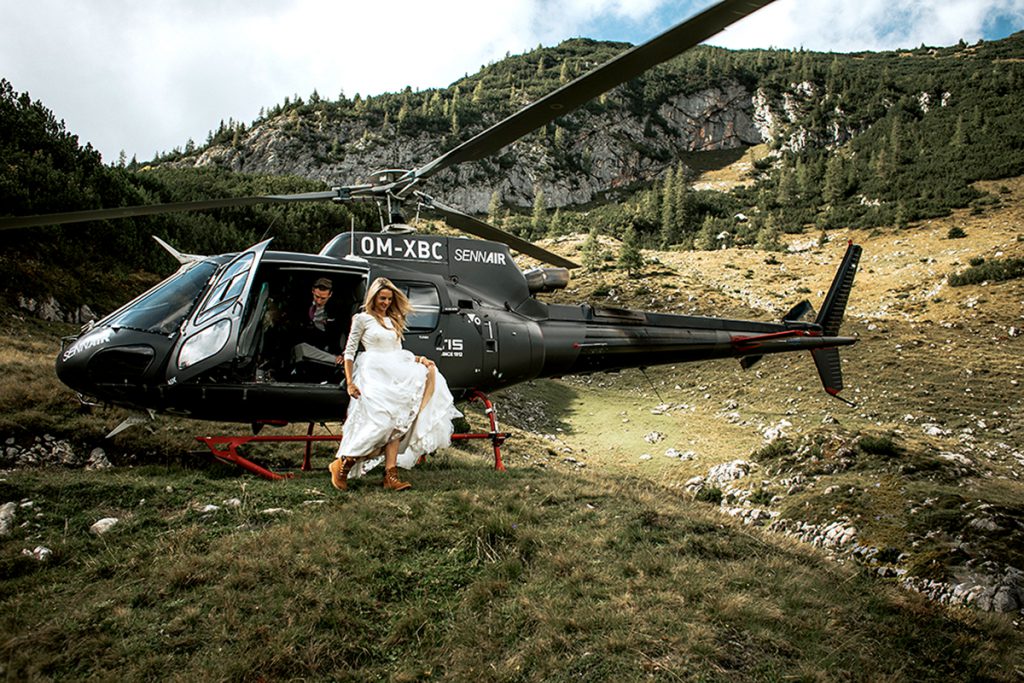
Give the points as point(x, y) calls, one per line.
point(467, 223)
point(12, 222)
point(614, 72)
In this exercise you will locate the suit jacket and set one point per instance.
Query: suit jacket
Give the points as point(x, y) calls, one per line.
point(329, 339)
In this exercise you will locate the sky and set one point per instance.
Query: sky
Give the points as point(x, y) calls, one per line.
point(145, 77)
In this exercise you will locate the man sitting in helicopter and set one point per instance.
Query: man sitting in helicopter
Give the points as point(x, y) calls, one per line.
point(319, 334)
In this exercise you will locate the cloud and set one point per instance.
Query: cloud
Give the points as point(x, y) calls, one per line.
point(148, 76)
point(870, 24)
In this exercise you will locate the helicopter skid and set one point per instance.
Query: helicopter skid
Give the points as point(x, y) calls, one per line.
point(225, 448)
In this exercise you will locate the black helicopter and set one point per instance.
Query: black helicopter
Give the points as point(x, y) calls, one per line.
point(203, 343)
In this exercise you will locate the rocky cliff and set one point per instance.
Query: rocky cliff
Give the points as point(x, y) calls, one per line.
point(602, 152)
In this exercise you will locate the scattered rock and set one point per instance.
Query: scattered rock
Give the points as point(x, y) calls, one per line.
point(653, 437)
point(728, 471)
point(40, 553)
point(45, 451)
point(7, 517)
point(233, 503)
point(98, 460)
point(776, 431)
point(276, 511)
point(956, 458)
point(104, 525)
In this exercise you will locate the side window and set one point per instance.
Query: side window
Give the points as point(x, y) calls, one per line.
point(426, 307)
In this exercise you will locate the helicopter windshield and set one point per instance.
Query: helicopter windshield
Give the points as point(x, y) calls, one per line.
point(163, 308)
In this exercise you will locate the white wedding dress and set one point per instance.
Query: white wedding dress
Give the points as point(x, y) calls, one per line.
point(391, 385)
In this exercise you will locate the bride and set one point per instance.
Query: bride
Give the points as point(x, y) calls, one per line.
point(400, 406)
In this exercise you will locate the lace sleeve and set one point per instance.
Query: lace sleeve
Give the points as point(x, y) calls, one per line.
point(355, 335)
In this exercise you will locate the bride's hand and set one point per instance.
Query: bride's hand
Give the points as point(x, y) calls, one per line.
point(353, 391)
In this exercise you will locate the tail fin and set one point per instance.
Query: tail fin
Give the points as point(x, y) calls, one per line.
point(835, 301)
point(831, 316)
point(831, 373)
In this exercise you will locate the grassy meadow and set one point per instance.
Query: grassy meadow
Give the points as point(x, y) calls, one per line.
point(533, 574)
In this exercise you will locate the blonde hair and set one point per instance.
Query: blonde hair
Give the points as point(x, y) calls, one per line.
point(399, 309)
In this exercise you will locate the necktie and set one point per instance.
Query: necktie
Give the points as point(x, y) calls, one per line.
point(318, 315)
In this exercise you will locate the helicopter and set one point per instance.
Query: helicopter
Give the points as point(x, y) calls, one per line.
point(207, 342)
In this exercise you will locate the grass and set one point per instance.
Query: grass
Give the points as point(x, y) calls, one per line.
point(526, 575)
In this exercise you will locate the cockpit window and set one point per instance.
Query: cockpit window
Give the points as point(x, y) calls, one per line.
point(163, 308)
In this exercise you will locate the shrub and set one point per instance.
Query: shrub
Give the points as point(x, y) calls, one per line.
point(997, 270)
point(776, 449)
point(710, 494)
point(879, 445)
point(956, 233)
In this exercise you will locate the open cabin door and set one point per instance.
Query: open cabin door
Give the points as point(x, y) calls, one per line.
point(210, 336)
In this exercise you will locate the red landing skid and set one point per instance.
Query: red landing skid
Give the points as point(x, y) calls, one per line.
point(225, 448)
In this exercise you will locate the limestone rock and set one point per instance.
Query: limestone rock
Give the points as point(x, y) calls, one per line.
point(7, 511)
point(104, 525)
point(98, 460)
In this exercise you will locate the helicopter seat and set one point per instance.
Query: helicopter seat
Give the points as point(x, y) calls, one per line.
point(310, 364)
point(250, 339)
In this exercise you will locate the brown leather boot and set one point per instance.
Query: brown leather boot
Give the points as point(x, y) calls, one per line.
point(339, 472)
point(392, 482)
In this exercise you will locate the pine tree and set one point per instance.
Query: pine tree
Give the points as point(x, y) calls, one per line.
point(648, 208)
point(631, 259)
point(564, 75)
point(494, 207)
point(707, 236)
point(959, 138)
point(593, 255)
point(668, 208)
point(835, 180)
point(539, 218)
point(403, 114)
point(769, 236)
point(686, 209)
point(557, 224)
point(559, 137)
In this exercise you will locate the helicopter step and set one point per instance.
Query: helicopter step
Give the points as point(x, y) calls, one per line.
point(225, 448)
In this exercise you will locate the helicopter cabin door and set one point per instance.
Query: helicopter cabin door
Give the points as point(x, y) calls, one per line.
point(210, 336)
